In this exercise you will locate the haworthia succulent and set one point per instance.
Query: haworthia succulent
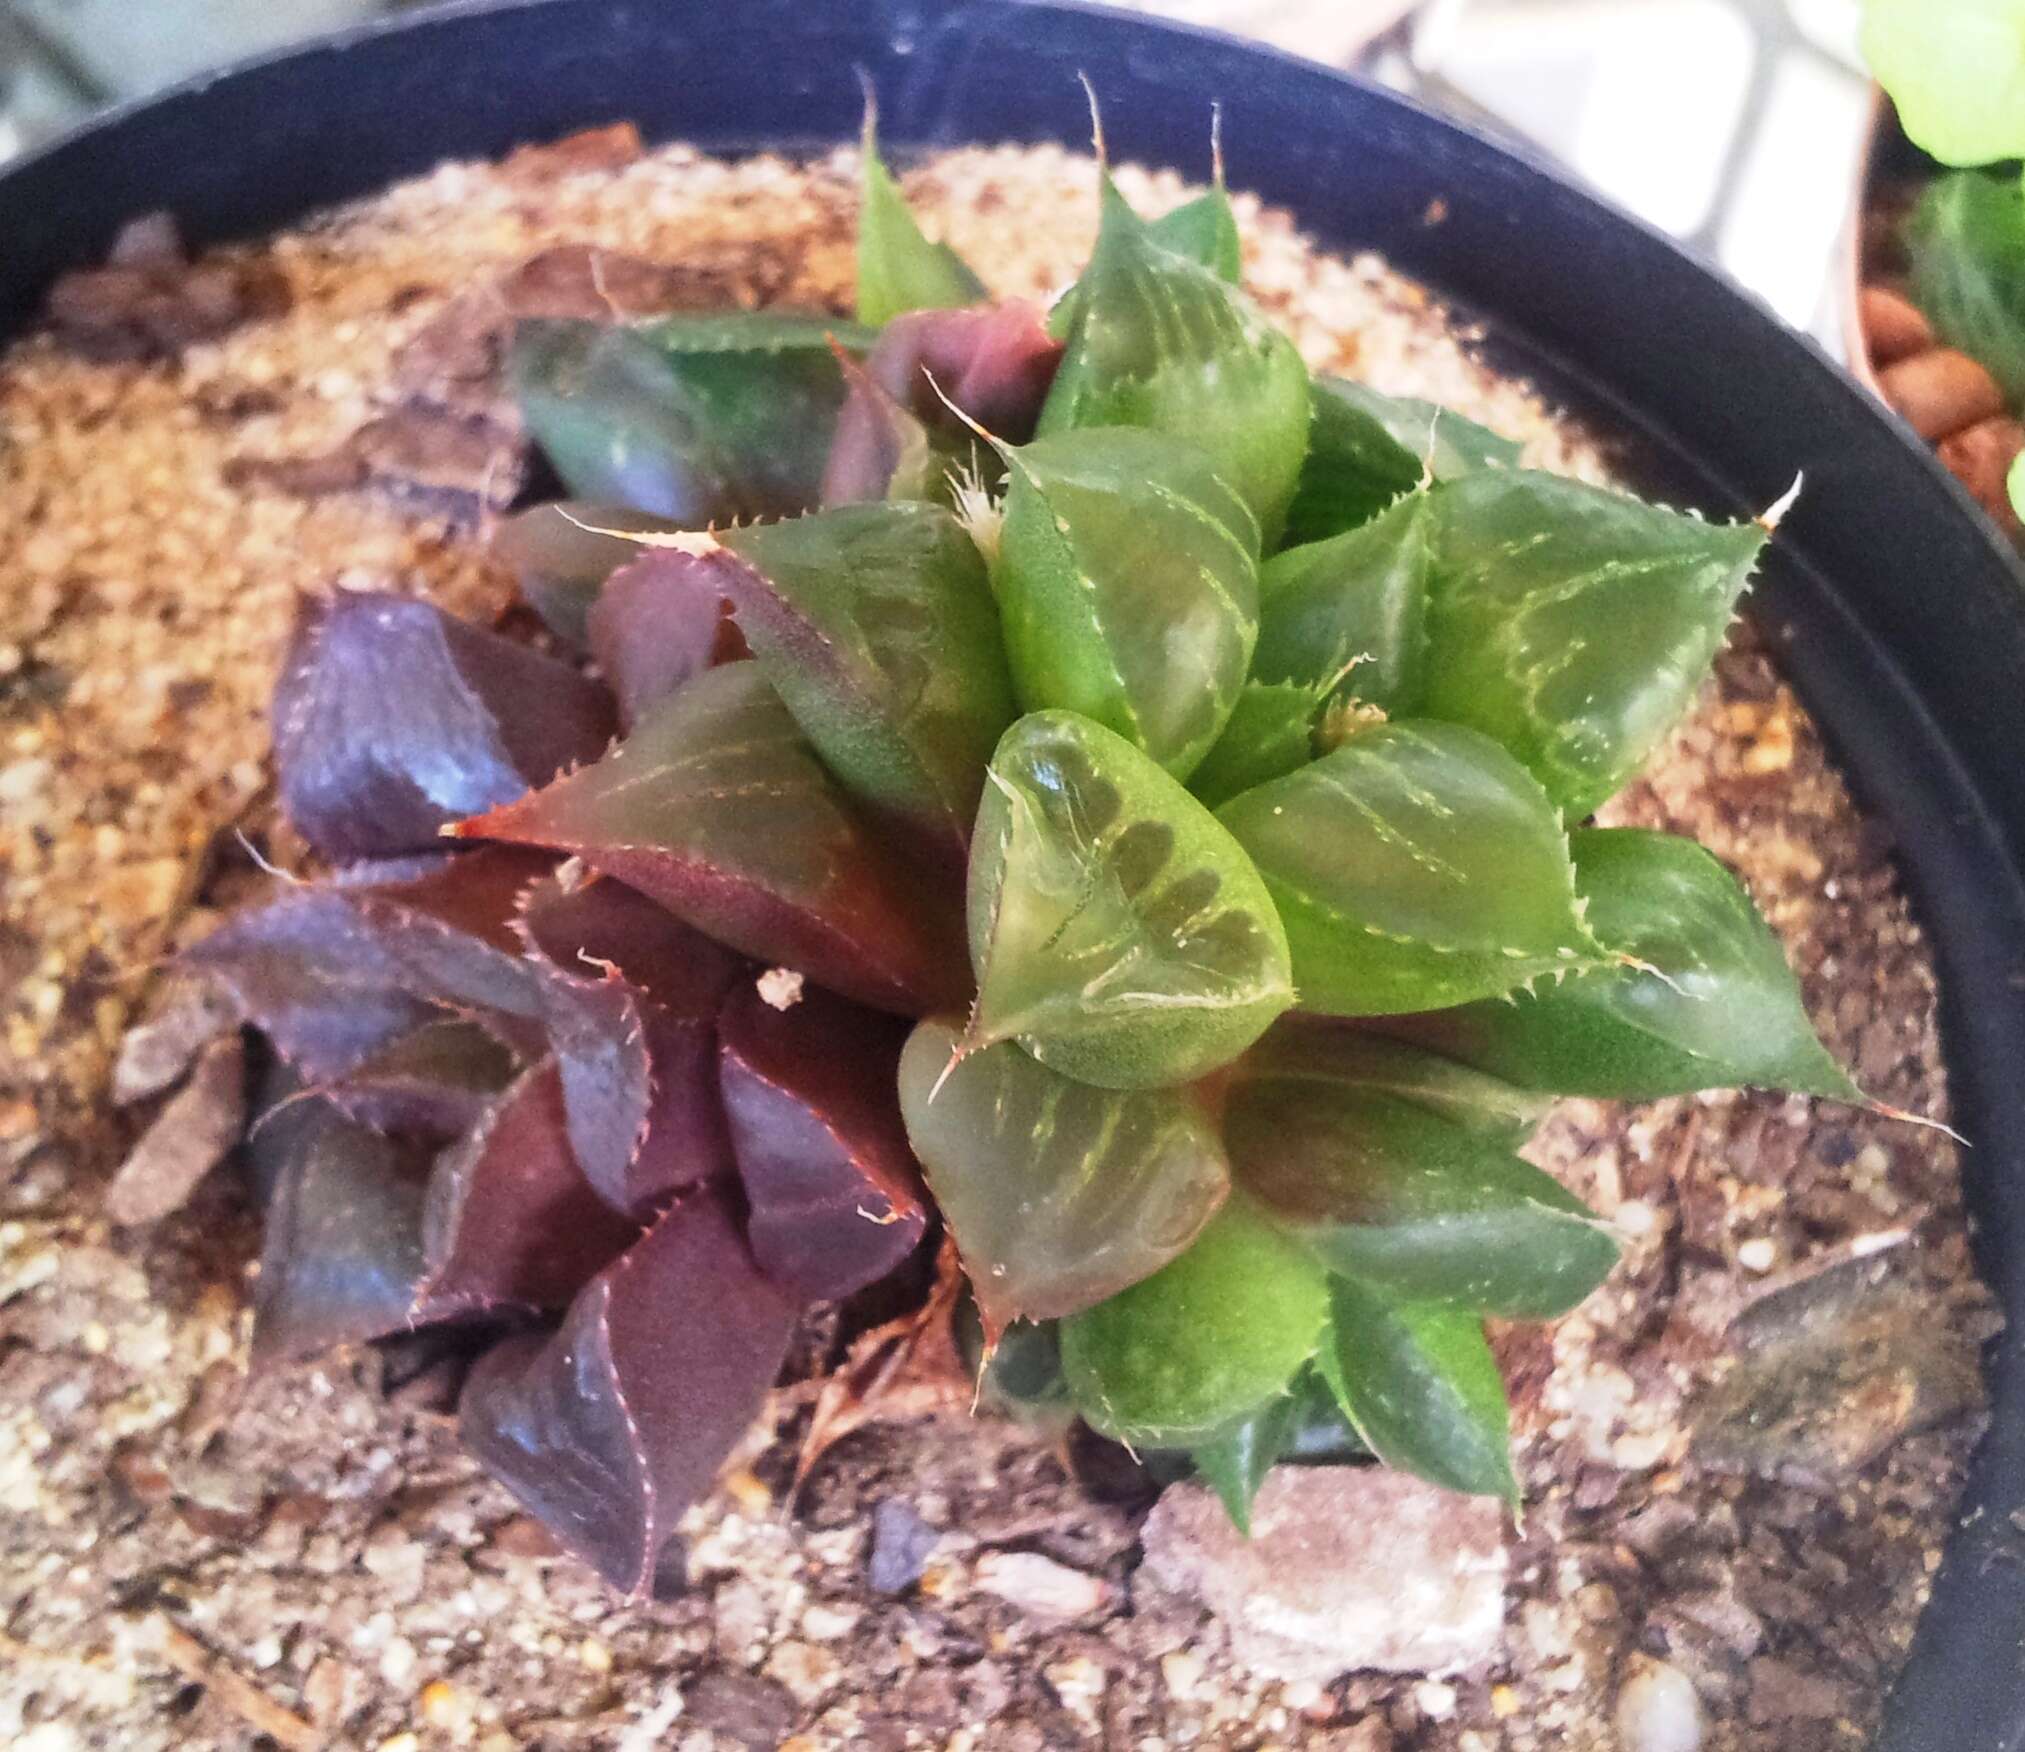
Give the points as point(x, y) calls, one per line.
point(1704, 998)
point(1210, 1338)
point(1366, 449)
point(1420, 1386)
point(1574, 624)
point(876, 625)
point(694, 419)
point(1117, 931)
point(716, 807)
point(899, 268)
point(1058, 1193)
point(1411, 1203)
point(1416, 866)
point(1160, 341)
point(1127, 579)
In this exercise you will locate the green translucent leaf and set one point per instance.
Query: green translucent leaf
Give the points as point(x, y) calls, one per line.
point(1160, 341)
point(1410, 1203)
point(1204, 230)
point(1304, 1424)
point(1350, 613)
point(695, 419)
point(877, 626)
point(1312, 1049)
point(899, 269)
point(1117, 931)
point(1205, 1340)
point(1234, 1460)
point(716, 807)
point(1956, 71)
point(1415, 867)
point(561, 555)
point(1058, 1194)
point(1366, 449)
point(1711, 1005)
point(1021, 1372)
point(1421, 1387)
point(1574, 625)
point(1966, 241)
point(1270, 733)
point(1127, 578)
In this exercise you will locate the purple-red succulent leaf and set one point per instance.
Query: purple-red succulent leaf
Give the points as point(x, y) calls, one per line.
point(334, 975)
point(561, 553)
point(879, 450)
point(994, 362)
point(341, 1251)
point(435, 1083)
point(509, 1218)
point(716, 808)
point(630, 995)
point(392, 718)
point(611, 1426)
point(811, 1096)
point(660, 618)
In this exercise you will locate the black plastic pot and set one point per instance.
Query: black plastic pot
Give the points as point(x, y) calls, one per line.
point(1896, 611)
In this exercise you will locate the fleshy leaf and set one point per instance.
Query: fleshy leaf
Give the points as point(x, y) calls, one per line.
point(509, 1218)
point(1303, 1424)
point(1159, 341)
point(1127, 577)
point(698, 419)
point(659, 619)
point(1202, 230)
point(1350, 614)
point(875, 623)
point(1366, 449)
point(1309, 1048)
point(1412, 1204)
point(630, 996)
point(1058, 1193)
point(1966, 242)
point(1956, 73)
point(1706, 1002)
point(341, 1246)
point(335, 974)
point(560, 554)
point(1574, 625)
point(1271, 733)
point(879, 450)
point(1421, 1387)
point(1417, 866)
point(990, 364)
point(392, 718)
point(899, 268)
point(1209, 1338)
point(833, 1192)
point(716, 808)
point(609, 1428)
point(1118, 932)
point(436, 1082)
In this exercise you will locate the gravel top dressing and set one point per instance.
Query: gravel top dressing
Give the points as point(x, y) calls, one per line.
point(1739, 1459)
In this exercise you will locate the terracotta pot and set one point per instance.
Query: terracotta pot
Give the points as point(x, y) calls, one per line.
point(1947, 398)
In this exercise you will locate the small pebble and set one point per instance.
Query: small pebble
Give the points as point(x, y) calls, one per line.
point(1758, 1254)
point(1436, 1698)
point(594, 1656)
point(1657, 1710)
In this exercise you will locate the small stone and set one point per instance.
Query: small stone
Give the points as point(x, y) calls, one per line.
point(593, 1656)
point(402, 1742)
point(1078, 1682)
point(1039, 1586)
point(1781, 1692)
point(781, 987)
point(1436, 1699)
point(443, 1706)
point(156, 1053)
point(806, 1669)
point(326, 1691)
point(1758, 1254)
point(397, 1661)
point(746, 1709)
point(190, 1137)
point(1181, 1672)
point(901, 1544)
point(828, 1623)
point(1657, 1709)
point(1346, 1567)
